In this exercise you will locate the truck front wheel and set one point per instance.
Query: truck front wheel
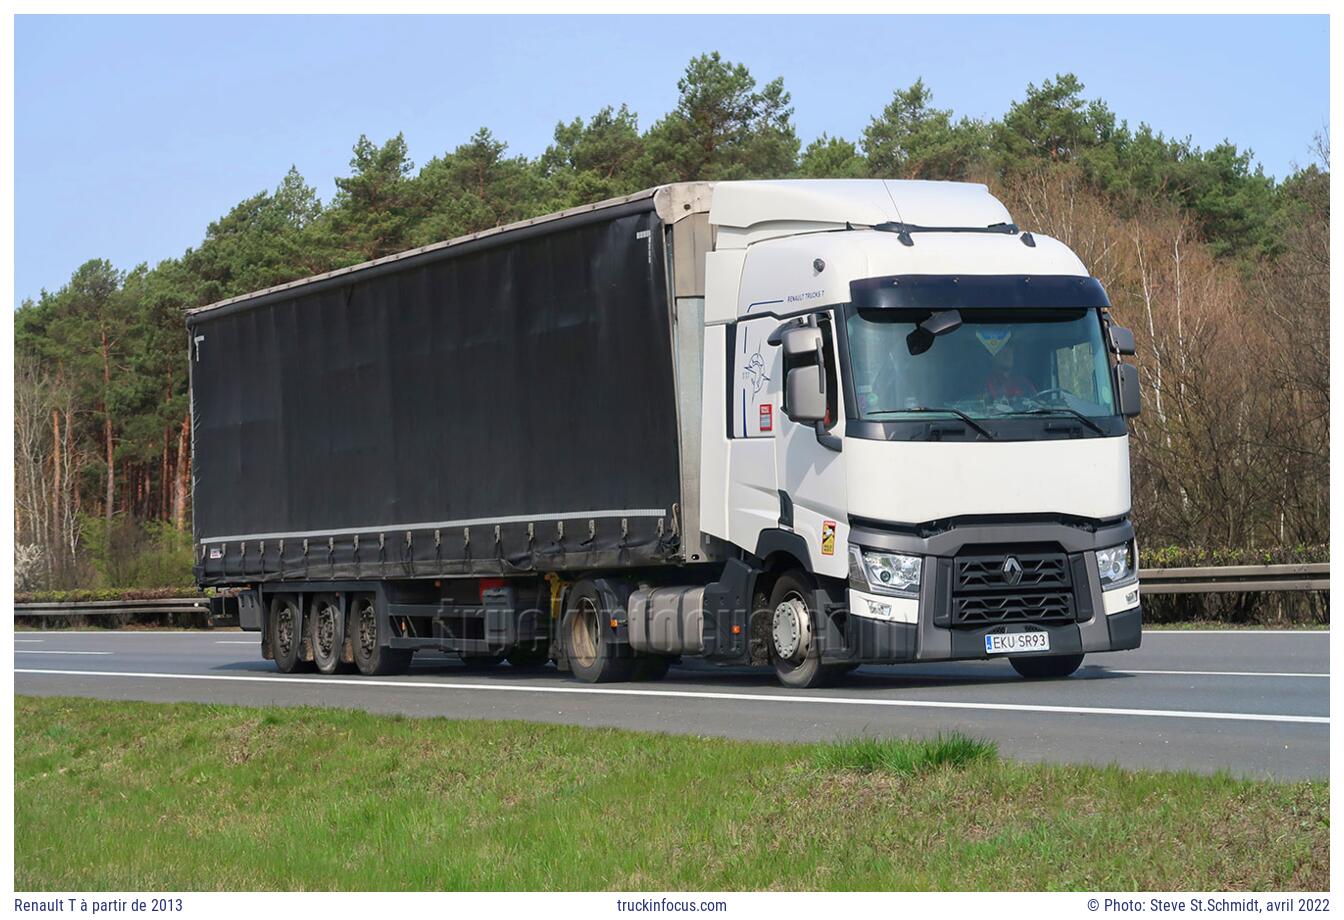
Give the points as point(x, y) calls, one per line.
point(794, 649)
point(591, 657)
point(1039, 668)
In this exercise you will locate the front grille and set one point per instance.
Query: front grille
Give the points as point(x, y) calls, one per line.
point(1040, 571)
point(990, 609)
point(986, 593)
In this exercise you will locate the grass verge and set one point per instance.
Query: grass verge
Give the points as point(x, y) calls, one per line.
point(145, 796)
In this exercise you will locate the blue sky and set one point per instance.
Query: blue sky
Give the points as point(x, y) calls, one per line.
point(133, 132)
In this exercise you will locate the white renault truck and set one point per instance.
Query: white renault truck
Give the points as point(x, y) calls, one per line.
point(805, 424)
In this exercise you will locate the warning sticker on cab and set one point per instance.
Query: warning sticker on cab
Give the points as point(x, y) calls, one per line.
point(828, 538)
point(767, 417)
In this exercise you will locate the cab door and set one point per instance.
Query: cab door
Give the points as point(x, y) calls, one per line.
point(812, 474)
point(754, 396)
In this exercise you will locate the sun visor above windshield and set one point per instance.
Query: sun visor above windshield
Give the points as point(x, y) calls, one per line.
point(946, 292)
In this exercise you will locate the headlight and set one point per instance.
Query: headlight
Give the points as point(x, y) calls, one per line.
point(885, 573)
point(1115, 564)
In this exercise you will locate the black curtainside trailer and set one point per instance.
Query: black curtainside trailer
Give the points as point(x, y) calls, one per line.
point(496, 406)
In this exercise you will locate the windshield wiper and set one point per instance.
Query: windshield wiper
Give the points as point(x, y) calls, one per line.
point(957, 412)
point(1055, 410)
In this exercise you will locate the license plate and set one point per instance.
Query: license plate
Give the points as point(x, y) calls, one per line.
point(1016, 643)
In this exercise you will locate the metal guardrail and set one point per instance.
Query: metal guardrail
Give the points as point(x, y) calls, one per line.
point(1224, 579)
point(169, 605)
point(1236, 579)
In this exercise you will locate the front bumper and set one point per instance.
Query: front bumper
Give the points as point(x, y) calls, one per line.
point(867, 640)
point(935, 626)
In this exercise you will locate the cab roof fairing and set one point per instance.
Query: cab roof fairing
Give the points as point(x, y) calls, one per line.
point(748, 212)
point(780, 276)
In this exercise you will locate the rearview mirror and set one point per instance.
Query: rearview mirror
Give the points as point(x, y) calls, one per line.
point(1127, 389)
point(1122, 340)
point(801, 340)
point(940, 323)
point(805, 394)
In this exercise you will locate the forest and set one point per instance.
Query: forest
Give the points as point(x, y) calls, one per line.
point(1221, 270)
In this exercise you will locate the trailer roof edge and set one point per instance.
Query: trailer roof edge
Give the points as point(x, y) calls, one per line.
point(671, 202)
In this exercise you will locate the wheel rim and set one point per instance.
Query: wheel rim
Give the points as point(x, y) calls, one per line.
point(284, 631)
point(326, 631)
point(792, 628)
point(368, 629)
point(583, 634)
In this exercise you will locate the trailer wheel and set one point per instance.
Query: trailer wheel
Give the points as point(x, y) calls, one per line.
point(1046, 667)
point(590, 656)
point(369, 634)
point(794, 650)
point(285, 629)
point(326, 632)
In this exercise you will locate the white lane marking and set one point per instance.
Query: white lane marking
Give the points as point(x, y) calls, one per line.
point(1218, 673)
point(52, 651)
point(1237, 632)
point(704, 695)
point(132, 633)
point(238, 642)
point(27, 640)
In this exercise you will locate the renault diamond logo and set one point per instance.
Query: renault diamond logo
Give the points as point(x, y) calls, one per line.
point(1012, 570)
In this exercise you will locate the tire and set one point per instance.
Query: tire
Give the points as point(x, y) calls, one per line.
point(531, 655)
point(284, 627)
point(1046, 667)
point(797, 663)
point(651, 667)
point(584, 629)
point(369, 636)
point(326, 632)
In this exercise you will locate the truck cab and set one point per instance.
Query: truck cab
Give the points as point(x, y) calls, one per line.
point(917, 412)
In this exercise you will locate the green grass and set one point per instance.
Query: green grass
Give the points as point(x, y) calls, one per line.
point(143, 796)
point(900, 756)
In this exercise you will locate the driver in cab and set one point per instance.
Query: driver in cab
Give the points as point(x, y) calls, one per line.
point(1003, 381)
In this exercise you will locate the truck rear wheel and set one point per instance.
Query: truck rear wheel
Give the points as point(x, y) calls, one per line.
point(285, 626)
point(1045, 667)
point(370, 635)
point(590, 656)
point(326, 632)
point(794, 649)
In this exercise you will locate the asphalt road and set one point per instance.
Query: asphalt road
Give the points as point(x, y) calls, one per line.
point(1253, 703)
